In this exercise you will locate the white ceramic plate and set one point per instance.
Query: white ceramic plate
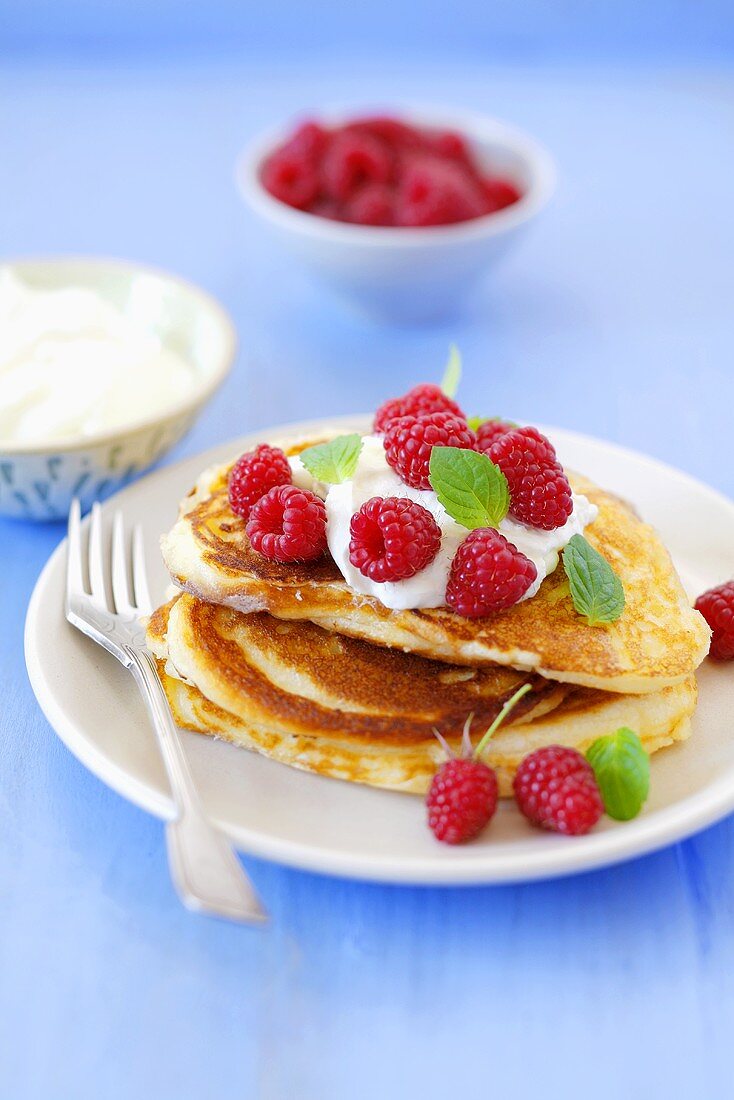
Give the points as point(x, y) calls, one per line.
point(330, 826)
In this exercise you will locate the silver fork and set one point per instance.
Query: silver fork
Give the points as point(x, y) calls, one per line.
point(204, 868)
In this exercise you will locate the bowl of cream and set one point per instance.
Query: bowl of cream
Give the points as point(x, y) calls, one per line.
point(104, 365)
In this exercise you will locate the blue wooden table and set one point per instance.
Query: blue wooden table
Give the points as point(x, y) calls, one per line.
point(614, 317)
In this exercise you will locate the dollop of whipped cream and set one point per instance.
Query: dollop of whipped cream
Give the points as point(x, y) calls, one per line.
point(71, 363)
point(374, 478)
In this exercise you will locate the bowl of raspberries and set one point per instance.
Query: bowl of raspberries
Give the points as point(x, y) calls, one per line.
point(402, 214)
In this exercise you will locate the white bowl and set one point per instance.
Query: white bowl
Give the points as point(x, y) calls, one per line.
point(408, 273)
point(38, 480)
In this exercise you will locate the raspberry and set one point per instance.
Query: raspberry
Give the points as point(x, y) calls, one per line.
point(398, 135)
point(717, 608)
point(426, 398)
point(309, 140)
point(254, 474)
point(461, 800)
point(539, 491)
point(288, 524)
point(292, 178)
point(430, 176)
point(393, 538)
point(409, 440)
point(351, 161)
point(556, 789)
point(498, 194)
point(449, 144)
point(372, 205)
point(491, 430)
point(488, 574)
point(436, 192)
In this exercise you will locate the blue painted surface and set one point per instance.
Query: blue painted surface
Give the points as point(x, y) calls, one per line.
point(614, 317)
point(532, 30)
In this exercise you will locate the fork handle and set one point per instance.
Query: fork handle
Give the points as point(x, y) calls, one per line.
point(205, 870)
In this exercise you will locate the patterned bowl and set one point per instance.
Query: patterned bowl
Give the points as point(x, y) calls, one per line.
point(39, 480)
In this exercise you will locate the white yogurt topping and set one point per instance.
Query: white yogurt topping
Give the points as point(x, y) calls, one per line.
point(72, 364)
point(374, 478)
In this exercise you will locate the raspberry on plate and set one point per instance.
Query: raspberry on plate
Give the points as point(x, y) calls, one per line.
point(409, 441)
point(426, 398)
point(461, 800)
point(717, 608)
point(555, 788)
point(540, 494)
point(490, 431)
point(351, 161)
point(254, 474)
point(288, 524)
point(488, 574)
point(393, 538)
point(292, 178)
point(463, 793)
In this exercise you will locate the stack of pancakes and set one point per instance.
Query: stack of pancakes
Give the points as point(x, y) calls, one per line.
point(291, 662)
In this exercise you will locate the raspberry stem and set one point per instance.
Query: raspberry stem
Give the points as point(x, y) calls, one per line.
point(500, 718)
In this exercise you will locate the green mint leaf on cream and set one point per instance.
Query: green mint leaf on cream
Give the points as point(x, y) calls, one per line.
point(335, 461)
point(471, 488)
point(622, 770)
point(452, 374)
point(596, 590)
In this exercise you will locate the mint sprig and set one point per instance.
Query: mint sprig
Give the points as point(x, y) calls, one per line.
point(335, 461)
point(471, 488)
point(596, 590)
point(622, 770)
point(452, 374)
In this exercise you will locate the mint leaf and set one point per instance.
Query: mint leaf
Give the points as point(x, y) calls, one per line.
point(596, 590)
point(335, 461)
point(471, 488)
point(622, 770)
point(452, 374)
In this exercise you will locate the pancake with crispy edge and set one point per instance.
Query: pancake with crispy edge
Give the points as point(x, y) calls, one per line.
point(659, 639)
point(344, 708)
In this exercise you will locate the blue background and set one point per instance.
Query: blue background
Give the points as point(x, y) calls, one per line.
point(119, 126)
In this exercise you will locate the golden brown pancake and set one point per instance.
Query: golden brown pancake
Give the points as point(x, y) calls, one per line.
point(344, 708)
point(658, 641)
point(310, 678)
